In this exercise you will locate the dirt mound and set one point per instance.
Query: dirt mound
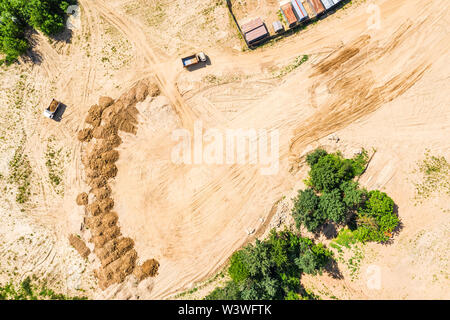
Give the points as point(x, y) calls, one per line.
point(102, 193)
point(148, 269)
point(106, 205)
point(82, 199)
point(105, 102)
point(116, 253)
point(79, 245)
point(85, 135)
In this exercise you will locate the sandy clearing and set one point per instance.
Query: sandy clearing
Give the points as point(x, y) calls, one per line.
point(191, 218)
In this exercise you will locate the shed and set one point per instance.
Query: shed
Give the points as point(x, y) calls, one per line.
point(309, 9)
point(318, 6)
point(277, 26)
point(288, 13)
point(327, 3)
point(256, 34)
point(254, 30)
point(299, 10)
point(251, 25)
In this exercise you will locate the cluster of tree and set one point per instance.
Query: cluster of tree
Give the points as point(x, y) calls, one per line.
point(271, 269)
point(16, 16)
point(27, 290)
point(333, 196)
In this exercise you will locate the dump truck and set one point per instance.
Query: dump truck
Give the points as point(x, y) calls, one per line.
point(52, 108)
point(193, 59)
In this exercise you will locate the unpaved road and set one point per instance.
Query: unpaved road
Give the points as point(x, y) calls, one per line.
point(192, 217)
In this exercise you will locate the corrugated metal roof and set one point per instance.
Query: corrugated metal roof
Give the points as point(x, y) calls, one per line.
point(299, 9)
point(256, 34)
point(288, 13)
point(277, 26)
point(327, 3)
point(251, 25)
point(309, 8)
point(317, 5)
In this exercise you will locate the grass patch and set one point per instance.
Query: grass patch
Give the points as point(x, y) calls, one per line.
point(27, 290)
point(435, 174)
point(20, 175)
point(54, 163)
point(291, 67)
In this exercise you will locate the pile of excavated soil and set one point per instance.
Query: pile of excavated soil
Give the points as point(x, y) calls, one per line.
point(116, 252)
point(82, 199)
point(148, 269)
point(79, 245)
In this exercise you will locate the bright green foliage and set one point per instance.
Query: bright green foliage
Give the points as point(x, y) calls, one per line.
point(16, 16)
point(238, 270)
point(306, 212)
point(272, 268)
point(332, 206)
point(378, 204)
point(376, 219)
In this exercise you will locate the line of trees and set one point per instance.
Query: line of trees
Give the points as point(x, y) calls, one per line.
point(271, 269)
point(16, 16)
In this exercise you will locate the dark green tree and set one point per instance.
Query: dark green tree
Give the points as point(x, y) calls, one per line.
point(306, 212)
point(332, 206)
point(313, 157)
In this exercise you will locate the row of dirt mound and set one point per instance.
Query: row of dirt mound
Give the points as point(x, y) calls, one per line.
point(106, 119)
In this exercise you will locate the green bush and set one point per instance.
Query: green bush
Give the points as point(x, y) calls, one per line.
point(376, 218)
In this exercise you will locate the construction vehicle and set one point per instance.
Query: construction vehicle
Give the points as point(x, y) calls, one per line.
point(193, 59)
point(52, 109)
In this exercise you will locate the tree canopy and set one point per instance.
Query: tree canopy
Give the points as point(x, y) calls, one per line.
point(16, 16)
point(271, 269)
point(333, 196)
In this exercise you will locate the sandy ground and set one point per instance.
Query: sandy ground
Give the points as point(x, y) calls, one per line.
point(383, 88)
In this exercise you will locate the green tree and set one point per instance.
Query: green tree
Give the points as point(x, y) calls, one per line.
point(313, 157)
point(326, 174)
point(305, 210)
point(238, 270)
point(379, 203)
point(353, 196)
point(332, 206)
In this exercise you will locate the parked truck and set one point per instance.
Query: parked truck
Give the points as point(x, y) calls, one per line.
point(193, 59)
point(52, 108)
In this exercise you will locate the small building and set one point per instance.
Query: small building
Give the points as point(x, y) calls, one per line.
point(318, 6)
point(254, 30)
point(309, 9)
point(277, 26)
point(299, 10)
point(328, 4)
point(288, 13)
